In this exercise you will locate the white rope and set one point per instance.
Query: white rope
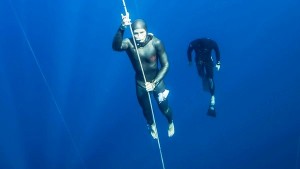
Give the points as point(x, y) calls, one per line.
point(145, 80)
point(47, 84)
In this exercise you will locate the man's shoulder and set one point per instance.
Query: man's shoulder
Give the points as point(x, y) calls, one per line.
point(128, 40)
point(155, 40)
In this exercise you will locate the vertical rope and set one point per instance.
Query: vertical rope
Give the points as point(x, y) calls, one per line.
point(145, 80)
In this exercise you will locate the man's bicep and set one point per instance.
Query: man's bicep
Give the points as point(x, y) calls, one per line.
point(160, 49)
point(164, 59)
point(125, 44)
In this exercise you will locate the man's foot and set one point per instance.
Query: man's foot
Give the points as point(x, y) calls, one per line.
point(212, 101)
point(153, 131)
point(211, 111)
point(171, 129)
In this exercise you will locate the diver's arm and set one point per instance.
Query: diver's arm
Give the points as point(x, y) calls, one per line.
point(217, 52)
point(118, 43)
point(163, 58)
point(218, 57)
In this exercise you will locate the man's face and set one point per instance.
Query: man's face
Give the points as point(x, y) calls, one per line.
point(140, 35)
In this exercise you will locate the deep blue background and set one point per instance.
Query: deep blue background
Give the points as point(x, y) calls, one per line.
point(68, 101)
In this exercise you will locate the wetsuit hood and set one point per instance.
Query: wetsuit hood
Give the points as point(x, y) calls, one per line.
point(139, 24)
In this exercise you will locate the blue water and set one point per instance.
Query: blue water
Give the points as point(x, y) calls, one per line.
point(67, 101)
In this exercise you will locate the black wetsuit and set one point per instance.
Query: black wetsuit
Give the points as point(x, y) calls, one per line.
point(203, 51)
point(152, 54)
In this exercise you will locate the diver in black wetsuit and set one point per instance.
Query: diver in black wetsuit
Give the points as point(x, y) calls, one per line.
point(203, 48)
point(152, 54)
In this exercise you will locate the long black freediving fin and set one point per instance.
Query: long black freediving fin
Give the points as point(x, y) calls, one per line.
point(211, 111)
